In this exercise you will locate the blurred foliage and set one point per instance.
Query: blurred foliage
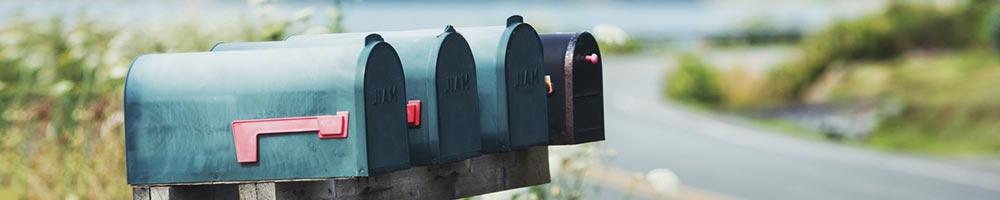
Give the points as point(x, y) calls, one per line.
point(738, 87)
point(613, 39)
point(903, 26)
point(61, 83)
point(930, 69)
point(757, 31)
point(694, 81)
point(949, 104)
point(570, 164)
point(629, 46)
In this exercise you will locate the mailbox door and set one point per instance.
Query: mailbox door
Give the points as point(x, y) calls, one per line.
point(458, 101)
point(384, 96)
point(525, 88)
point(588, 90)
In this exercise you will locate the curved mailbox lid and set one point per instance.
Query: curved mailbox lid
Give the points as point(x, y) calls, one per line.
point(511, 84)
point(576, 104)
point(440, 72)
point(179, 109)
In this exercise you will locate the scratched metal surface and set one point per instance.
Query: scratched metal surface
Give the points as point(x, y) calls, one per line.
point(179, 108)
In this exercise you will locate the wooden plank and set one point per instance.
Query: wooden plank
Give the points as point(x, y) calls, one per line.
point(256, 191)
point(476, 176)
point(248, 191)
point(505, 171)
point(265, 191)
point(140, 193)
point(159, 193)
point(224, 191)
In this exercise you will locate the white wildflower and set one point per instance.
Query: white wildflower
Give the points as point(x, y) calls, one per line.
point(663, 180)
point(34, 60)
point(118, 71)
point(76, 38)
point(60, 88)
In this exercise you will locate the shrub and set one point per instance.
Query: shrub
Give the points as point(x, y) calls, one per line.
point(693, 81)
point(613, 39)
point(903, 26)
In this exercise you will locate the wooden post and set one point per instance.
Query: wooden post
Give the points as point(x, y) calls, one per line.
point(256, 191)
point(476, 176)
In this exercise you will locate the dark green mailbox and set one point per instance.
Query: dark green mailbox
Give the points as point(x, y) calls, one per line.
point(511, 86)
point(265, 115)
point(510, 79)
point(441, 85)
point(576, 98)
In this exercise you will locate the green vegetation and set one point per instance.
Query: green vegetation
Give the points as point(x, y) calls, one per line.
point(613, 39)
point(757, 32)
point(950, 104)
point(61, 96)
point(930, 68)
point(628, 46)
point(902, 27)
point(694, 82)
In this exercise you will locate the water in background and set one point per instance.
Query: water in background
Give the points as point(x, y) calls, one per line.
point(675, 20)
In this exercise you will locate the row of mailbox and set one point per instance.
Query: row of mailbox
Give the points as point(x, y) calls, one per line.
point(378, 103)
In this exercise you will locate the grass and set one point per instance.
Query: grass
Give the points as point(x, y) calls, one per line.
point(949, 104)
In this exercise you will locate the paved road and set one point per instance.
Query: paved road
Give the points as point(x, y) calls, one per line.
point(731, 157)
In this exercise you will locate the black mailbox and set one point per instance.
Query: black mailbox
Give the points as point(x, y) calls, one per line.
point(576, 97)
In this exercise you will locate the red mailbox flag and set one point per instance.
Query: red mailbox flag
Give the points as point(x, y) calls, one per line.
point(245, 132)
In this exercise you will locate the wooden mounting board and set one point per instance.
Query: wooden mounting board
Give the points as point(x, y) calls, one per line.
point(476, 176)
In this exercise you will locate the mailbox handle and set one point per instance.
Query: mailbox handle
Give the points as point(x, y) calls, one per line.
point(245, 132)
point(413, 113)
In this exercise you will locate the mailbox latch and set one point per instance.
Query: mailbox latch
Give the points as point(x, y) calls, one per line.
point(592, 58)
point(245, 132)
point(548, 85)
point(413, 113)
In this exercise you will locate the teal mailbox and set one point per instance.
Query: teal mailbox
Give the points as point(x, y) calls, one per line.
point(510, 79)
point(512, 92)
point(279, 114)
point(576, 100)
point(441, 86)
